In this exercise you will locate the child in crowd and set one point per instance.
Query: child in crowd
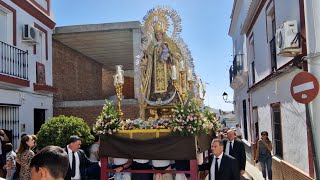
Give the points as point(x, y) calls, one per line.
point(10, 161)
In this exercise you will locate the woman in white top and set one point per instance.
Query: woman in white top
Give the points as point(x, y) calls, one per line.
point(94, 150)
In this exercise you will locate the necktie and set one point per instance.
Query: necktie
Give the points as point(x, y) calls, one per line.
point(73, 172)
point(216, 170)
point(230, 149)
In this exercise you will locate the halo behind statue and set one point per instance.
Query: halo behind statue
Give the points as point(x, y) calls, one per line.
point(157, 19)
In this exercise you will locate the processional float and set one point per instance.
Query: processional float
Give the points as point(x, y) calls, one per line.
point(170, 106)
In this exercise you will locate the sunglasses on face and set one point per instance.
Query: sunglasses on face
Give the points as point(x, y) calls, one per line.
point(263, 134)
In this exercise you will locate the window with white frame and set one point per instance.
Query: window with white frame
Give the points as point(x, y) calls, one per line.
point(6, 25)
point(277, 129)
point(41, 46)
point(9, 122)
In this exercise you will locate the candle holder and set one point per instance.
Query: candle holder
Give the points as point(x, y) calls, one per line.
point(190, 82)
point(183, 84)
point(198, 90)
point(119, 96)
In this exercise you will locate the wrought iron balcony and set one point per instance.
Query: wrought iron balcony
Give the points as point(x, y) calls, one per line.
point(13, 61)
point(236, 68)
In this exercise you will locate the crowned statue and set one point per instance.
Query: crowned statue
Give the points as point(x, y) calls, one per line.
point(162, 57)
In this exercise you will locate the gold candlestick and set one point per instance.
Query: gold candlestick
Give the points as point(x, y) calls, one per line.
point(190, 84)
point(175, 84)
point(183, 84)
point(119, 96)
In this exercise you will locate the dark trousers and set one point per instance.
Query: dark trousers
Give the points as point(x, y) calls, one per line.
point(141, 166)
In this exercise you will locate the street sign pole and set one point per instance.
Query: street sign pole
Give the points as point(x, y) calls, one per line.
point(311, 135)
point(304, 88)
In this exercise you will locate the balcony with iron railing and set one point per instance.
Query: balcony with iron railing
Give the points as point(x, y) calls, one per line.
point(13, 64)
point(236, 71)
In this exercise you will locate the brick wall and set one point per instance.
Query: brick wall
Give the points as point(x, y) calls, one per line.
point(76, 76)
point(282, 170)
point(128, 88)
point(79, 78)
point(108, 88)
point(89, 114)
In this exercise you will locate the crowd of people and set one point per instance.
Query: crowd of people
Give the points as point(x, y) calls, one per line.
point(227, 162)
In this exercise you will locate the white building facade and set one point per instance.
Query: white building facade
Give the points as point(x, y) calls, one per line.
point(261, 77)
point(26, 91)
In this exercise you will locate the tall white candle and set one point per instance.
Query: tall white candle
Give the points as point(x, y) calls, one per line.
point(181, 65)
point(115, 80)
point(174, 73)
point(119, 73)
point(190, 78)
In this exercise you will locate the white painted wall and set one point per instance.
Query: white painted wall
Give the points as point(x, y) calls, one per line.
point(294, 131)
point(293, 119)
point(283, 15)
point(42, 3)
point(312, 19)
point(240, 47)
point(26, 97)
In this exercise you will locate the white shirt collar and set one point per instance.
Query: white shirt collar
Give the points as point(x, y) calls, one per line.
point(69, 150)
point(220, 156)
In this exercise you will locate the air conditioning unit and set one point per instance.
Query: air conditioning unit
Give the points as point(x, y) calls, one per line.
point(29, 33)
point(288, 39)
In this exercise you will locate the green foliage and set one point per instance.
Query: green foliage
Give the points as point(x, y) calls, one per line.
point(58, 130)
point(108, 122)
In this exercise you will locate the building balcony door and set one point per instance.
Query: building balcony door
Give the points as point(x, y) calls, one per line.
point(39, 119)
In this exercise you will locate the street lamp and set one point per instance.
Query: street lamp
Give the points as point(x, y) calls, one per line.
point(225, 98)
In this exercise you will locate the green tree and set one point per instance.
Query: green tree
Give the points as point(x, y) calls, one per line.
point(58, 130)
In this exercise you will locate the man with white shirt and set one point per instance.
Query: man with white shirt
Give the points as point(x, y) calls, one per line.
point(235, 148)
point(221, 166)
point(78, 161)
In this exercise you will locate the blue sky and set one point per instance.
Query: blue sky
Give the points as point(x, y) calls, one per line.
point(205, 25)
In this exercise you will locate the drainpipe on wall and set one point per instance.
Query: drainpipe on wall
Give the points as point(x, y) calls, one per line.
point(312, 27)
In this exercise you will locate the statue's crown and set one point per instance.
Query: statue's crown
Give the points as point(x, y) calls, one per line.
point(157, 27)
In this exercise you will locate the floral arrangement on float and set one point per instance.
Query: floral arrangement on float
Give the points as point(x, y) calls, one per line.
point(188, 119)
point(108, 121)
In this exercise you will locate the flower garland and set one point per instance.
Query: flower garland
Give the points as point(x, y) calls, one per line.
point(188, 119)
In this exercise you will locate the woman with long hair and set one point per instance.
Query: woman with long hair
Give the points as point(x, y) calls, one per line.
point(264, 155)
point(25, 154)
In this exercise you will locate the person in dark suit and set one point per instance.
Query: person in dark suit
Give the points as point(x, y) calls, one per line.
point(78, 161)
point(235, 148)
point(221, 166)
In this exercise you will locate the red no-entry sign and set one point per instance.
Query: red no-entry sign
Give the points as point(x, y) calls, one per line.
point(304, 87)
